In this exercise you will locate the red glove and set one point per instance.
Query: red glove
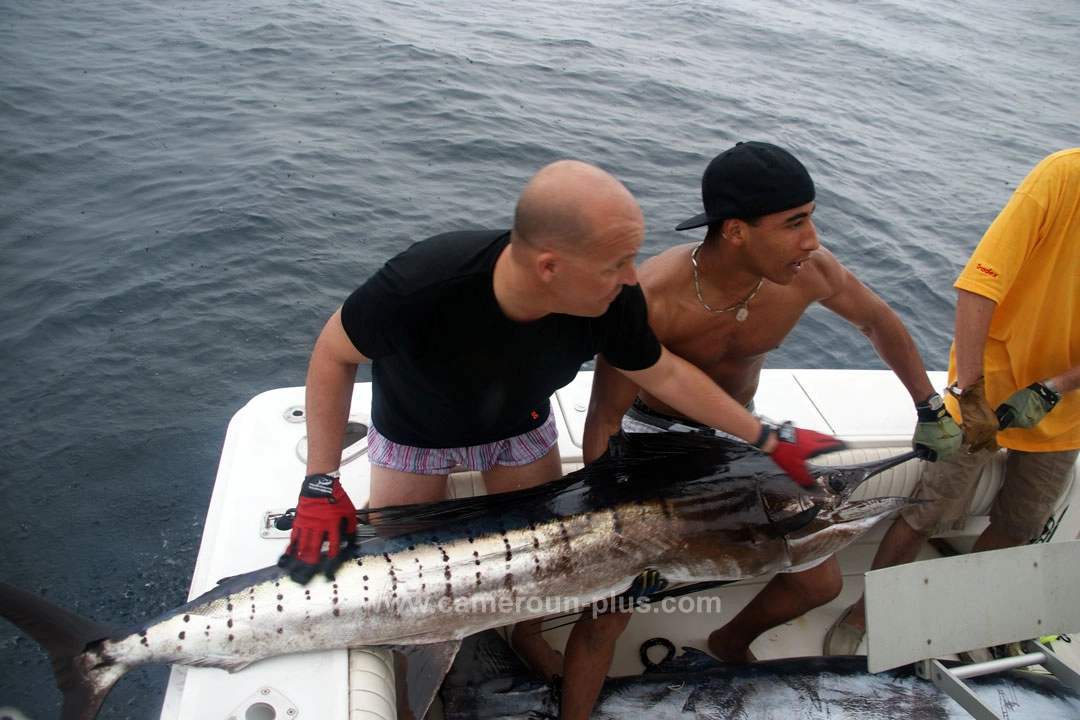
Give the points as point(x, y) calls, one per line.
point(323, 513)
point(796, 446)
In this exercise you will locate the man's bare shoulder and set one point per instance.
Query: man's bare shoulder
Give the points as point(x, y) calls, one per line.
point(673, 262)
point(664, 277)
point(821, 278)
point(831, 276)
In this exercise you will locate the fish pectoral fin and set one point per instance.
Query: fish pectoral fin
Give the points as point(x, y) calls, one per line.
point(425, 670)
point(873, 507)
point(226, 662)
point(788, 525)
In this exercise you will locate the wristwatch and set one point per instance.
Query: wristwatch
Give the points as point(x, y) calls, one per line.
point(955, 390)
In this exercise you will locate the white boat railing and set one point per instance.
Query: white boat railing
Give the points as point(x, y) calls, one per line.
point(919, 612)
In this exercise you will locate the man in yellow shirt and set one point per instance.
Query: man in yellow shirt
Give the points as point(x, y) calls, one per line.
point(1017, 343)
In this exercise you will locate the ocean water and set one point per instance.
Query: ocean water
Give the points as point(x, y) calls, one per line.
point(190, 189)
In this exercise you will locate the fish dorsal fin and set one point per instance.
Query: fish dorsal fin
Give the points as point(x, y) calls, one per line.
point(626, 450)
point(647, 446)
point(397, 520)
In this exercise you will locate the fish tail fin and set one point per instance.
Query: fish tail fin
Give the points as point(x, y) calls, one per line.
point(67, 638)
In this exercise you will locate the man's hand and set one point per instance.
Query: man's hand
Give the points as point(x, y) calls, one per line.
point(936, 433)
point(1025, 408)
point(324, 513)
point(978, 421)
point(796, 446)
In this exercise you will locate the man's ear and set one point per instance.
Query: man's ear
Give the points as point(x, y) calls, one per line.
point(547, 265)
point(734, 231)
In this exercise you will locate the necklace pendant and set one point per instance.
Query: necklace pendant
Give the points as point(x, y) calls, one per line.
point(743, 312)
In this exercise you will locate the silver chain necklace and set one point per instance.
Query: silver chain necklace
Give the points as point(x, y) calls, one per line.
point(741, 305)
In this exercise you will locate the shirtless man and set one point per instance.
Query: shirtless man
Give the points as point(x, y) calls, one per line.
point(723, 304)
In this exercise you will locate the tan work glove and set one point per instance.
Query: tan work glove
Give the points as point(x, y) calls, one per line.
point(978, 421)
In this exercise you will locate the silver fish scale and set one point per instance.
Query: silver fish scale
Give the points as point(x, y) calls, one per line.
point(436, 589)
point(430, 594)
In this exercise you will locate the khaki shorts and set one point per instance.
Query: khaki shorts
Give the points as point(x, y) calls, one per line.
point(1033, 483)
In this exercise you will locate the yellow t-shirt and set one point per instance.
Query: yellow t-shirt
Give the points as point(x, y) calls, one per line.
point(1028, 262)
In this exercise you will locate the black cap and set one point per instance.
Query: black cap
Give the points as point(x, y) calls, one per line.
point(750, 180)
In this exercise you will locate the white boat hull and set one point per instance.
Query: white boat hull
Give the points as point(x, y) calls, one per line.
point(261, 465)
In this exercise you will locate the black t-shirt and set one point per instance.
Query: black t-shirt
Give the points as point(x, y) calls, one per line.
point(450, 370)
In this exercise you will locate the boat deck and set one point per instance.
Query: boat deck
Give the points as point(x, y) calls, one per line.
point(262, 461)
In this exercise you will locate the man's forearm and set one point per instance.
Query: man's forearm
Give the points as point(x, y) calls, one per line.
point(896, 348)
point(1067, 381)
point(328, 396)
point(694, 394)
point(594, 441)
point(328, 399)
point(611, 396)
point(973, 315)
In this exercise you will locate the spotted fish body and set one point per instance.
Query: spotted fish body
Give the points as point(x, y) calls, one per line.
point(693, 508)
